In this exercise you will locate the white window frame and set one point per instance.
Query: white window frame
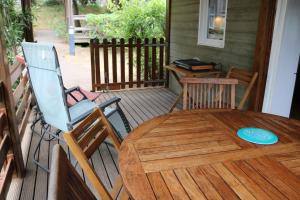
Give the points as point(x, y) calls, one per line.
point(203, 27)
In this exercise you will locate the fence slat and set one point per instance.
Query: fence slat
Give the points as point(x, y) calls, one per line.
point(93, 66)
point(97, 61)
point(4, 148)
point(16, 73)
point(130, 62)
point(122, 55)
point(114, 60)
point(2, 122)
point(161, 60)
point(6, 177)
point(25, 118)
point(105, 59)
point(17, 94)
point(146, 57)
point(138, 62)
point(154, 68)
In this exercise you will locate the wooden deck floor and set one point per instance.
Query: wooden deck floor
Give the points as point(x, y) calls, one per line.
point(138, 106)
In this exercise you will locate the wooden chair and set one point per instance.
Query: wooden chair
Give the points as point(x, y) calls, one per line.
point(84, 140)
point(65, 183)
point(246, 79)
point(204, 93)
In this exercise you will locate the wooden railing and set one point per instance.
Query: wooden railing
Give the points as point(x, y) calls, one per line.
point(6, 156)
point(11, 156)
point(21, 94)
point(120, 64)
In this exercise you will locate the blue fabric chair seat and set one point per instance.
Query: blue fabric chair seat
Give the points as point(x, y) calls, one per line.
point(84, 108)
point(81, 108)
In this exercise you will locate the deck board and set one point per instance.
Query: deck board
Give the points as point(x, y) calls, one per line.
point(138, 106)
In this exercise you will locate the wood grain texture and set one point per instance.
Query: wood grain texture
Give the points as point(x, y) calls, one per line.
point(84, 141)
point(177, 72)
point(7, 98)
point(203, 93)
point(247, 79)
point(195, 155)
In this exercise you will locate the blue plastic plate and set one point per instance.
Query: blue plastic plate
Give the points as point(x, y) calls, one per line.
point(257, 135)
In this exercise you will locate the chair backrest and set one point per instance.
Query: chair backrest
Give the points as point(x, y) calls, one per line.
point(84, 140)
point(46, 82)
point(65, 183)
point(246, 79)
point(203, 93)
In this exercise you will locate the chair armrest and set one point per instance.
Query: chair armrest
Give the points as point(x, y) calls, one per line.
point(72, 89)
point(113, 100)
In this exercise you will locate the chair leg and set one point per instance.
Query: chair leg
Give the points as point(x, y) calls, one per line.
point(37, 148)
point(44, 130)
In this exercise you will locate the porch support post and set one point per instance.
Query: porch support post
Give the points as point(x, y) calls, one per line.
point(28, 31)
point(168, 37)
point(262, 51)
point(10, 110)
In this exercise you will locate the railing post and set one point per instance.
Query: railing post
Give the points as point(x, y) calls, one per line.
point(130, 62)
point(161, 59)
point(122, 59)
point(146, 57)
point(28, 30)
point(154, 68)
point(105, 62)
point(138, 62)
point(10, 110)
point(114, 60)
point(93, 67)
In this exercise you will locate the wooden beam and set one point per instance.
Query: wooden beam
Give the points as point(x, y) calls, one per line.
point(168, 37)
point(28, 31)
point(10, 109)
point(262, 51)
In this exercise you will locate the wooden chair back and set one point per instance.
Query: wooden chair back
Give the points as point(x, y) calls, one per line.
point(204, 93)
point(84, 140)
point(65, 183)
point(246, 79)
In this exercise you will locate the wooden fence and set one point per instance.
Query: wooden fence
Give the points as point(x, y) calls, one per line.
point(21, 95)
point(118, 65)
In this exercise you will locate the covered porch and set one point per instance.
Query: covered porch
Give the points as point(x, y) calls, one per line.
point(147, 91)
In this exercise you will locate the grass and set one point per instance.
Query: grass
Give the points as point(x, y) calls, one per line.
point(51, 16)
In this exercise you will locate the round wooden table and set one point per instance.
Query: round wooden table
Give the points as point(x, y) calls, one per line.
point(197, 155)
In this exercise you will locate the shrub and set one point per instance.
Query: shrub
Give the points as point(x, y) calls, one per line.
point(13, 28)
point(130, 19)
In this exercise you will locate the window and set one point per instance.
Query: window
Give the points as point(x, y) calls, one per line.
point(212, 23)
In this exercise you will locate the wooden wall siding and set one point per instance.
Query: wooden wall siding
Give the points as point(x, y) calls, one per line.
point(242, 21)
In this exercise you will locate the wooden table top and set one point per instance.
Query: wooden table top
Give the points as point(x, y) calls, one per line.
point(197, 155)
point(188, 73)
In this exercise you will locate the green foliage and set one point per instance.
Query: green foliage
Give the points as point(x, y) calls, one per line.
point(52, 2)
point(130, 19)
point(14, 23)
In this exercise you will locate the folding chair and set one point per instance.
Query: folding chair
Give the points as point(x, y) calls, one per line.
point(208, 93)
point(47, 87)
point(74, 94)
point(246, 79)
point(84, 140)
